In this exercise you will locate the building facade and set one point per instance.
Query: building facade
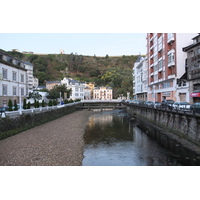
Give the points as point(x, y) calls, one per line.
point(77, 88)
point(51, 84)
point(193, 69)
point(29, 74)
point(140, 78)
point(13, 79)
point(166, 64)
point(102, 93)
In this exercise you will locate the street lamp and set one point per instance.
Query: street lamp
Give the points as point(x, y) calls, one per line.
point(20, 100)
point(154, 92)
point(60, 98)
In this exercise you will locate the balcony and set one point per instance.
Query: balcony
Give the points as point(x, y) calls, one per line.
point(170, 38)
point(171, 76)
point(159, 47)
point(171, 63)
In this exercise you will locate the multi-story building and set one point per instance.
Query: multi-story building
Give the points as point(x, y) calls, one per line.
point(51, 84)
point(13, 79)
point(140, 78)
point(35, 83)
point(102, 93)
point(166, 64)
point(193, 69)
point(88, 90)
point(29, 75)
point(77, 88)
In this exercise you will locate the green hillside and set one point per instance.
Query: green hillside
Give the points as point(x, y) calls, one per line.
point(115, 72)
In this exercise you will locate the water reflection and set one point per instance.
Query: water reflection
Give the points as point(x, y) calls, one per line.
point(111, 140)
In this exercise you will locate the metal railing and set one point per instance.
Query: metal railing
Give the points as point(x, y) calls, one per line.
point(13, 114)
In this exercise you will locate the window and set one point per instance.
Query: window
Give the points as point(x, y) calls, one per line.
point(170, 35)
point(5, 73)
point(22, 91)
point(170, 57)
point(76, 89)
point(14, 76)
point(22, 78)
point(166, 85)
point(160, 64)
point(14, 90)
point(5, 89)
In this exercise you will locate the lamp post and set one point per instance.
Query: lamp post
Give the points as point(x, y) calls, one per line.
point(154, 92)
point(60, 98)
point(20, 101)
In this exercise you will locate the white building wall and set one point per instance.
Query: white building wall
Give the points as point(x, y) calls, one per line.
point(182, 40)
point(11, 84)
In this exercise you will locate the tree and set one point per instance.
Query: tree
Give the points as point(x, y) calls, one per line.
point(43, 105)
point(24, 104)
point(50, 103)
point(29, 105)
point(35, 103)
point(54, 102)
point(38, 104)
point(34, 95)
point(15, 105)
point(10, 105)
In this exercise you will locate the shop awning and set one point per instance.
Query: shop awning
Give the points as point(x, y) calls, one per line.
point(195, 94)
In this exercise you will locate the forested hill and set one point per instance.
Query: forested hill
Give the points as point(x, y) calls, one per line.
point(115, 72)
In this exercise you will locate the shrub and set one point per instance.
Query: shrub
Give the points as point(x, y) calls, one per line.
point(50, 103)
point(10, 105)
point(54, 102)
point(15, 105)
point(24, 104)
point(29, 105)
point(43, 105)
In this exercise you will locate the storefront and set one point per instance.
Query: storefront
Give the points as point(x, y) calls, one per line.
point(196, 96)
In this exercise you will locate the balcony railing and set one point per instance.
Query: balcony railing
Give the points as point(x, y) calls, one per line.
point(171, 63)
point(170, 39)
point(171, 76)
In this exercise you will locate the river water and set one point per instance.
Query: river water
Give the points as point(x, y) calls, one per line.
point(112, 140)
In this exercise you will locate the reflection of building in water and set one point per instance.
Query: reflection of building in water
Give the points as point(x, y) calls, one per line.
point(103, 120)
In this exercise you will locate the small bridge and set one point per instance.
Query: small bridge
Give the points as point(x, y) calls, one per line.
point(101, 104)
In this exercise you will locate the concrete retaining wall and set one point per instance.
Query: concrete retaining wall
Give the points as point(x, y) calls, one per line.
point(179, 132)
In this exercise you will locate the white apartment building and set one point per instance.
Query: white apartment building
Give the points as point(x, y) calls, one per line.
point(102, 93)
point(13, 79)
point(76, 87)
point(166, 64)
point(30, 80)
point(35, 83)
point(140, 78)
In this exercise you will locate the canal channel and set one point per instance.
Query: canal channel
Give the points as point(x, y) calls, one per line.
point(112, 139)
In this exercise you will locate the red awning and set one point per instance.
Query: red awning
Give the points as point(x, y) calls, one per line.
point(195, 94)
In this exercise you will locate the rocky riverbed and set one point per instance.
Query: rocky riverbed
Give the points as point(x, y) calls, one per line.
point(56, 143)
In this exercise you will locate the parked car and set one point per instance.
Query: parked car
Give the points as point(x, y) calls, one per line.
point(3, 109)
point(167, 103)
point(181, 106)
point(195, 107)
point(149, 103)
point(157, 104)
point(134, 102)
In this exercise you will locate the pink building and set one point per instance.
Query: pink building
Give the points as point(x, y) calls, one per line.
point(166, 64)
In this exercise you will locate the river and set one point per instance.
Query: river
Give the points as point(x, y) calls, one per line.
point(112, 140)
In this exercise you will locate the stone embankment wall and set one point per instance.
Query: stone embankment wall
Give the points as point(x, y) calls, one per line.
point(12, 126)
point(177, 131)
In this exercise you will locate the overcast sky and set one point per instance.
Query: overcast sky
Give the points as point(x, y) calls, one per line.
point(100, 44)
